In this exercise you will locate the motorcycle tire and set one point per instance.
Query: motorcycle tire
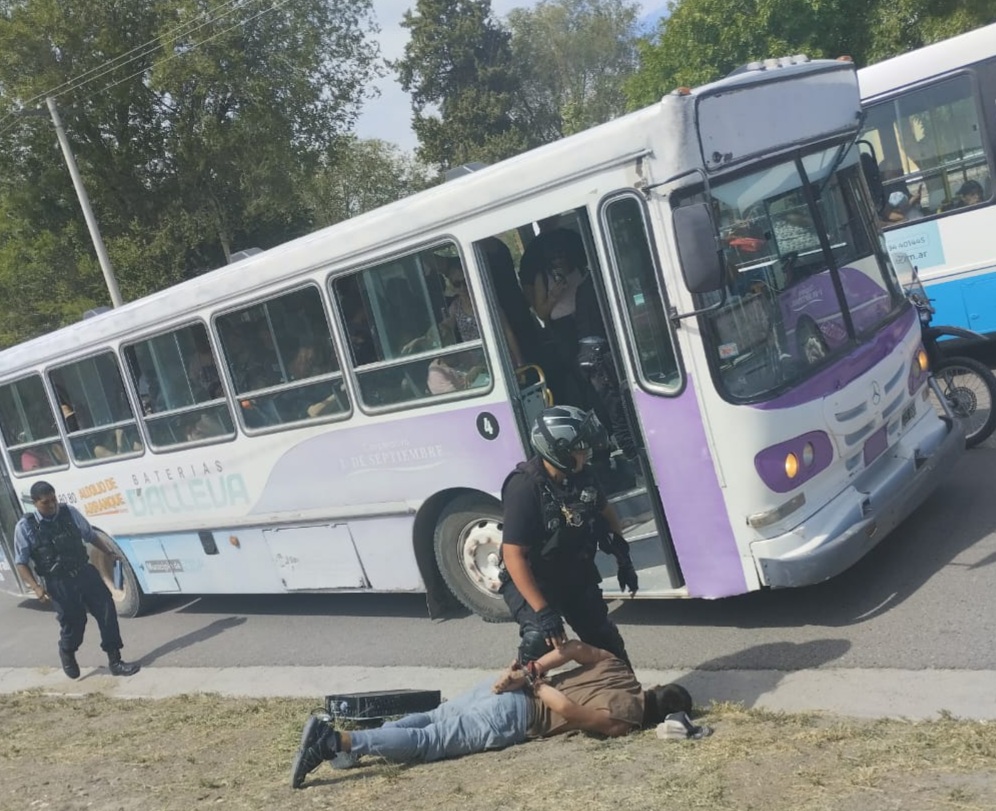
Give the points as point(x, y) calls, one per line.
point(969, 387)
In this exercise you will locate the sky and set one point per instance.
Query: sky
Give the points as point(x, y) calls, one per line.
point(389, 116)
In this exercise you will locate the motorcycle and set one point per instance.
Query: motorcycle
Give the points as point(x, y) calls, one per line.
point(962, 387)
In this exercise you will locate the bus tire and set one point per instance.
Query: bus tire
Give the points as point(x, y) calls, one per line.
point(467, 543)
point(130, 601)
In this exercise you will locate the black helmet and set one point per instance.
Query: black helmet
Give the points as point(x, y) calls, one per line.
point(561, 430)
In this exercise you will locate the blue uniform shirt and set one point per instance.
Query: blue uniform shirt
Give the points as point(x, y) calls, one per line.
point(24, 536)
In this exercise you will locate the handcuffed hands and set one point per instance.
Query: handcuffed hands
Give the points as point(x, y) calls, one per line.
point(513, 678)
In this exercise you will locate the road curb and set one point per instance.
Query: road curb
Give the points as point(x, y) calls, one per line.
point(854, 692)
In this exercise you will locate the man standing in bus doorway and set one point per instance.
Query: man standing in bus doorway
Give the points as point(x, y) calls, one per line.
point(555, 517)
point(53, 538)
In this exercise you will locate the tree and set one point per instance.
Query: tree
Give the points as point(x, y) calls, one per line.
point(361, 175)
point(458, 63)
point(904, 25)
point(703, 40)
point(573, 57)
point(194, 123)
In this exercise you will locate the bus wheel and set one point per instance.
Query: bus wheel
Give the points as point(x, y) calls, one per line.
point(129, 600)
point(467, 542)
point(812, 345)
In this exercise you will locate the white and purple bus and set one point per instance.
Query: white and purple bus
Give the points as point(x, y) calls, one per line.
point(321, 416)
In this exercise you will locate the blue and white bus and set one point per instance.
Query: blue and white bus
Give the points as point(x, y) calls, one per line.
point(931, 121)
point(321, 416)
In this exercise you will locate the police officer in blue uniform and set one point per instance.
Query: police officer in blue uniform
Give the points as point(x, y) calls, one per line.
point(52, 539)
point(555, 518)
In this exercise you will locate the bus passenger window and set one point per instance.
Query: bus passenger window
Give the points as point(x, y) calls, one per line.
point(281, 361)
point(176, 377)
point(412, 328)
point(929, 146)
point(28, 426)
point(96, 413)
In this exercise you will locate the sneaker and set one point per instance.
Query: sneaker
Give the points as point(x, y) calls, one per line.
point(69, 664)
point(319, 741)
point(678, 726)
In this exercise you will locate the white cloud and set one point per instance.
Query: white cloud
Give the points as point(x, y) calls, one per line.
point(389, 116)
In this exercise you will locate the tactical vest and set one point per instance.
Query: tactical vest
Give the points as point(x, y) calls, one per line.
point(58, 549)
point(569, 519)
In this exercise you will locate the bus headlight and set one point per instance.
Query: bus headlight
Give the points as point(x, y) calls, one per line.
point(808, 454)
point(786, 465)
point(918, 370)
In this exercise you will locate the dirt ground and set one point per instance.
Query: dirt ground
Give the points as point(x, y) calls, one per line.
point(192, 752)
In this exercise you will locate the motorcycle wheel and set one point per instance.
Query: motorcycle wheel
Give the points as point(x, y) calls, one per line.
point(969, 388)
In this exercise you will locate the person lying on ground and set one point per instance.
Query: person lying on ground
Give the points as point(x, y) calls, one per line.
point(600, 696)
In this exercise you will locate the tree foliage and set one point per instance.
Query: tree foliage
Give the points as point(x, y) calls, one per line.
point(702, 40)
point(194, 123)
point(458, 68)
point(573, 58)
point(361, 175)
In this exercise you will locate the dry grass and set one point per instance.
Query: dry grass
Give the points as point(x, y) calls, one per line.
point(207, 752)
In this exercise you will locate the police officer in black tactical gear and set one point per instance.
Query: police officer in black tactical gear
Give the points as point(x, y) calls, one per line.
point(555, 518)
point(52, 539)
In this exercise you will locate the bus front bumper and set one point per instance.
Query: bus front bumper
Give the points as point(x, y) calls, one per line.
point(861, 516)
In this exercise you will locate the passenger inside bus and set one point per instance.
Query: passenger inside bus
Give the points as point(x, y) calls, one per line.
point(202, 370)
point(524, 332)
point(43, 456)
point(204, 425)
point(901, 204)
point(563, 266)
point(113, 443)
point(969, 194)
point(456, 373)
point(310, 360)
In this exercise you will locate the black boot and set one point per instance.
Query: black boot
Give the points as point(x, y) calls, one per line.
point(119, 667)
point(69, 665)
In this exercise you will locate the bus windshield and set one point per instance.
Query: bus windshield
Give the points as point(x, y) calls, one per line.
point(805, 278)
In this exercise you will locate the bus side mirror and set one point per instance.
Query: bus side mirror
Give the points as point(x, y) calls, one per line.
point(698, 248)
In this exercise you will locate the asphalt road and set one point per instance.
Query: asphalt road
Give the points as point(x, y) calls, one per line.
point(924, 598)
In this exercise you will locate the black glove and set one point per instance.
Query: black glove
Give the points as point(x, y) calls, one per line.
point(628, 578)
point(550, 624)
point(619, 549)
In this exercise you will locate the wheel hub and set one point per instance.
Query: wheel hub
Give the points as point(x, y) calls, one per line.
point(480, 553)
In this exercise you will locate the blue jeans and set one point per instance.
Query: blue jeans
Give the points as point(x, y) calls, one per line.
point(473, 722)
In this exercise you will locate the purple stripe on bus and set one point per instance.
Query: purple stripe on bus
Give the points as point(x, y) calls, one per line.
point(407, 458)
point(844, 371)
point(693, 500)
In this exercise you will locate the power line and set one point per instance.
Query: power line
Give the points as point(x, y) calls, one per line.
point(276, 6)
point(139, 52)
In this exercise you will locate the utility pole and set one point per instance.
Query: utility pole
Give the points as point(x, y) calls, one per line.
point(91, 221)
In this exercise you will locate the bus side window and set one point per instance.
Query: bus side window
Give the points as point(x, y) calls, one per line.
point(929, 144)
point(176, 377)
point(281, 361)
point(95, 410)
point(28, 427)
point(412, 328)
